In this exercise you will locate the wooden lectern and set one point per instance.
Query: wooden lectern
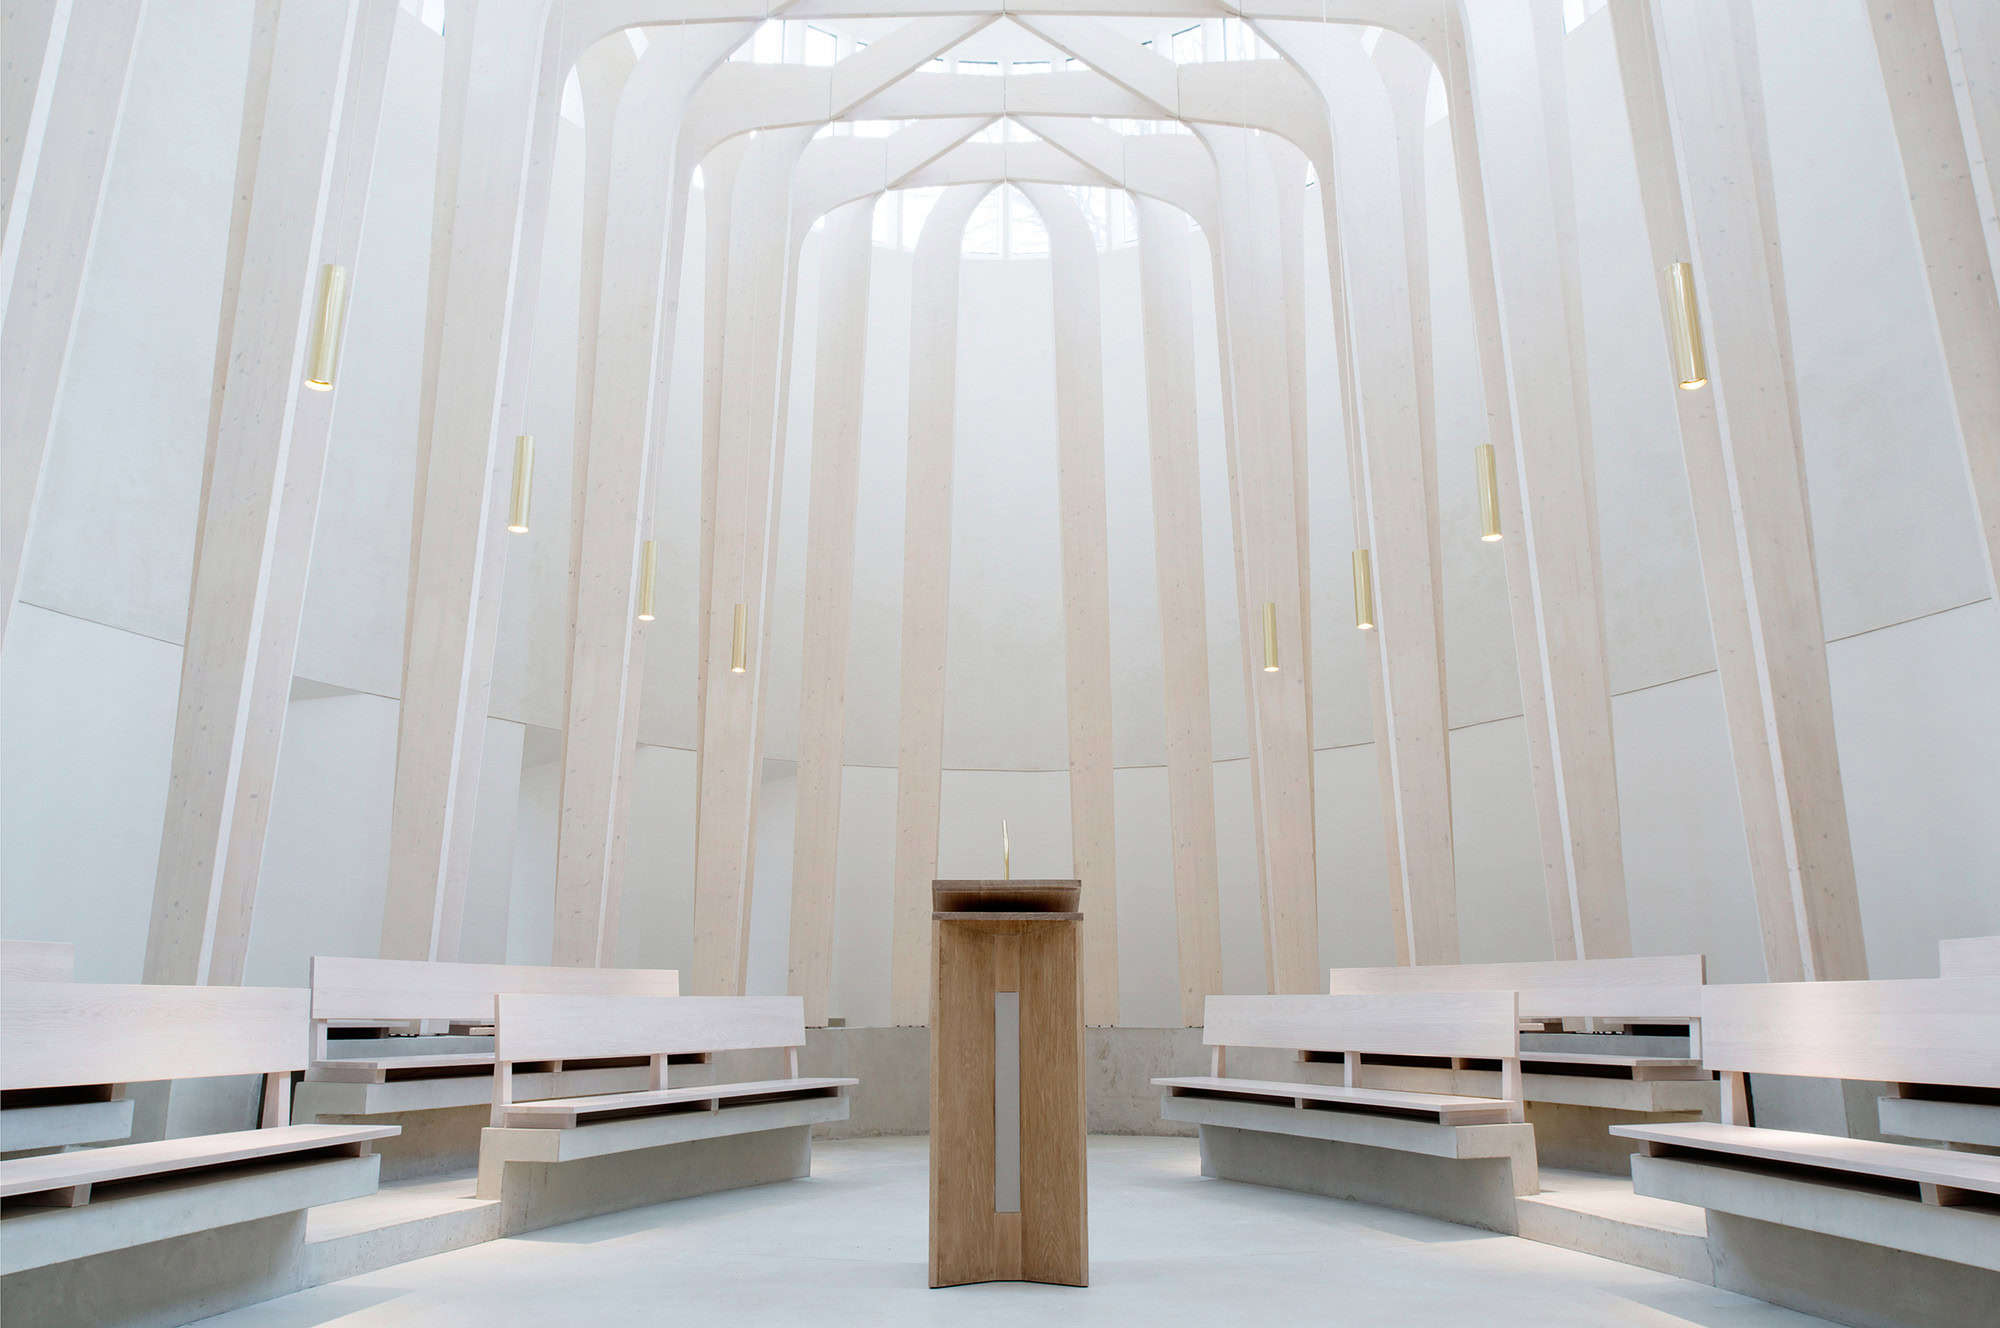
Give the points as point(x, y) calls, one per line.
point(1007, 1120)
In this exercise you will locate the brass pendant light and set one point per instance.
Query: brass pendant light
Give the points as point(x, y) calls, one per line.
point(649, 558)
point(739, 641)
point(524, 484)
point(1364, 592)
point(1489, 493)
point(1270, 637)
point(329, 316)
point(1690, 364)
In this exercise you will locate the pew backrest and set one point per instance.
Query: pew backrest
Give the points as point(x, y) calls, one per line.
point(1917, 1030)
point(37, 961)
point(62, 1034)
point(1644, 989)
point(1969, 957)
point(561, 1027)
point(1474, 1024)
point(394, 991)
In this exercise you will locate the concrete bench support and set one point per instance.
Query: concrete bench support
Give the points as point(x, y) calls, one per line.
point(170, 1251)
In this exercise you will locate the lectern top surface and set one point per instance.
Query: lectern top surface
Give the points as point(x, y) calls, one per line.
point(1005, 896)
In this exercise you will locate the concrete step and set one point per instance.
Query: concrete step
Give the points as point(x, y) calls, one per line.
point(1599, 1214)
point(401, 1221)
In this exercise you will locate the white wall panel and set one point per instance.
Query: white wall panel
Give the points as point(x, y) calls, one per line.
point(88, 718)
point(326, 857)
point(1503, 911)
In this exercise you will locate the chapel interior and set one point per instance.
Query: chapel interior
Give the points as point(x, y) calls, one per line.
point(795, 662)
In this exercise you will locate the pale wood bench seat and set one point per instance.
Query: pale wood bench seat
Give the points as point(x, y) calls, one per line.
point(1463, 1157)
point(444, 1065)
point(1954, 1114)
point(1858, 1230)
point(1441, 1108)
point(568, 1113)
point(751, 1131)
point(1941, 1175)
point(58, 1208)
point(76, 1175)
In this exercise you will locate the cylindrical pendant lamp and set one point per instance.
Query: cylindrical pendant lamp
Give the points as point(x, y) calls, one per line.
point(329, 316)
point(739, 642)
point(649, 560)
point(524, 484)
point(1489, 493)
point(1270, 637)
point(1690, 364)
point(1364, 591)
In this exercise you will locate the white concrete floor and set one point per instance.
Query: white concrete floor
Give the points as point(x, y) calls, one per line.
point(1167, 1248)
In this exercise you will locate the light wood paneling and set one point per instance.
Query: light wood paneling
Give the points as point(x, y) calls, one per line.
point(926, 590)
point(1969, 957)
point(1861, 1157)
point(63, 1033)
point(1167, 312)
point(396, 990)
point(847, 248)
point(1918, 1030)
point(101, 1166)
point(1079, 358)
point(1462, 1023)
point(573, 1027)
point(37, 961)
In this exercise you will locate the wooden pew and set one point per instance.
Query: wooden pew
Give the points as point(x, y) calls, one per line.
point(46, 1119)
point(1576, 1086)
point(1855, 1229)
point(358, 1079)
point(1959, 1117)
point(61, 1213)
point(37, 961)
point(666, 1140)
point(1451, 1155)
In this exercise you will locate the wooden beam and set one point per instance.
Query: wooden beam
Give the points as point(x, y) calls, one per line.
point(309, 135)
point(1958, 265)
point(1810, 916)
point(495, 149)
point(1079, 355)
point(926, 592)
point(65, 86)
point(1168, 317)
point(846, 250)
point(1261, 446)
point(1521, 316)
point(747, 465)
point(607, 489)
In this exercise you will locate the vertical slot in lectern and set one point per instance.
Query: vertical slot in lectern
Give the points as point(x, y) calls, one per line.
point(1007, 1116)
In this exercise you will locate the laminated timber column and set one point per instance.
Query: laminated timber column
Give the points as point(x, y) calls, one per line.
point(636, 202)
point(926, 592)
point(1521, 322)
point(1958, 265)
point(718, 194)
point(847, 249)
point(1267, 549)
point(496, 131)
point(69, 67)
point(308, 141)
point(582, 925)
point(1079, 351)
point(747, 461)
point(1377, 311)
point(1747, 476)
point(1167, 311)
point(1397, 491)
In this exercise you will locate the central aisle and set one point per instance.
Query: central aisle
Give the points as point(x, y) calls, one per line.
point(848, 1247)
